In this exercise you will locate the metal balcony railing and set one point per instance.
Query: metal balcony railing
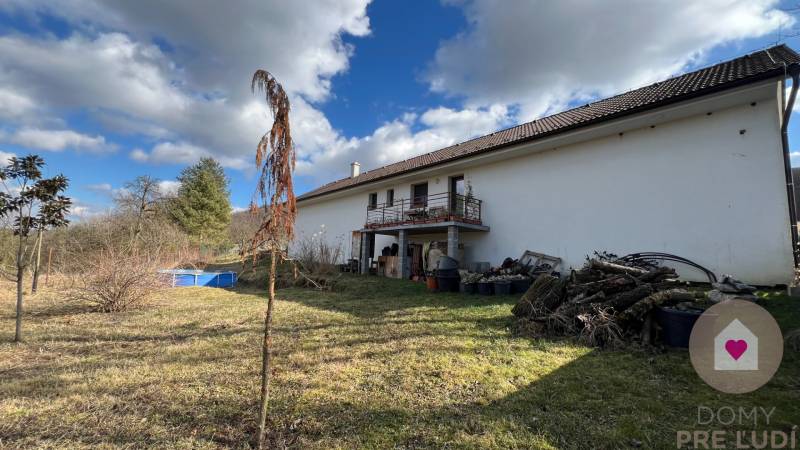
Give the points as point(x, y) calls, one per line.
point(443, 207)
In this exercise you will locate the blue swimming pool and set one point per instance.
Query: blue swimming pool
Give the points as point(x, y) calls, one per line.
point(184, 277)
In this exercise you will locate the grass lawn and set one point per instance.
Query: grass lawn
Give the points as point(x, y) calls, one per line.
point(379, 364)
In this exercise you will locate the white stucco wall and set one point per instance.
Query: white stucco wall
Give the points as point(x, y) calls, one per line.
point(694, 187)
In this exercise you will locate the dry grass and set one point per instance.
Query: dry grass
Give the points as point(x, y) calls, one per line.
point(378, 364)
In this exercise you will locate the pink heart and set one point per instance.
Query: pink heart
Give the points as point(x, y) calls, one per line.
point(736, 348)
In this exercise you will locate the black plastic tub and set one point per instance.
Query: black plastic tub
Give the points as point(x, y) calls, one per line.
point(520, 286)
point(502, 287)
point(486, 288)
point(448, 284)
point(676, 326)
point(447, 272)
point(468, 288)
point(446, 262)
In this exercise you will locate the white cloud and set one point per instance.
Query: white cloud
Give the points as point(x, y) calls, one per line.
point(540, 56)
point(80, 210)
point(195, 93)
point(325, 154)
point(101, 188)
point(794, 154)
point(14, 105)
point(58, 140)
point(182, 153)
point(169, 187)
point(5, 157)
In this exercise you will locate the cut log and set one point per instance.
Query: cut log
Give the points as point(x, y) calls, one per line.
point(647, 329)
point(608, 286)
point(624, 300)
point(659, 274)
point(605, 266)
point(597, 297)
point(640, 309)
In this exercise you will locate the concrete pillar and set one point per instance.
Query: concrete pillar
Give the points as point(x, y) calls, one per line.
point(364, 260)
point(402, 253)
point(452, 242)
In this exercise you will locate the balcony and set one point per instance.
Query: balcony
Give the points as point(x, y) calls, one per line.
point(441, 209)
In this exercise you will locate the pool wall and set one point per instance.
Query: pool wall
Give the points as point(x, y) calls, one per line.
point(180, 278)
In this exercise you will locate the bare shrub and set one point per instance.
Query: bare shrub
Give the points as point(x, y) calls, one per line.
point(114, 281)
point(316, 254)
point(115, 273)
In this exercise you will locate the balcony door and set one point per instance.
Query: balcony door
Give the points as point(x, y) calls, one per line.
point(419, 195)
point(457, 195)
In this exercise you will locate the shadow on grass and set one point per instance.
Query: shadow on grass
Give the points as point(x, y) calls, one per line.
point(566, 408)
point(600, 400)
point(371, 296)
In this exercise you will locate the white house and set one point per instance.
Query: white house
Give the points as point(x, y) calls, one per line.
point(696, 166)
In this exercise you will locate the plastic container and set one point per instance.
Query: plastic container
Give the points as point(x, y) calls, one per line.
point(468, 288)
point(447, 272)
point(448, 283)
point(447, 263)
point(676, 326)
point(520, 286)
point(486, 288)
point(502, 287)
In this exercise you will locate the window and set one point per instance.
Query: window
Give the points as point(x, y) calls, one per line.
point(373, 200)
point(419, 195)
point(390, 197)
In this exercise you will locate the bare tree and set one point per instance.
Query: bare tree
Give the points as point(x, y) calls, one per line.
point(141, 198)
point(35, 203)
point(243, 227)
point(275, 160)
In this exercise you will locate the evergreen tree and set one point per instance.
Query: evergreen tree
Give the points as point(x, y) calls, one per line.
point(202, 207)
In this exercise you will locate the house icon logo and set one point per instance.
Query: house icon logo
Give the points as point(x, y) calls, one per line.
point(736, 348)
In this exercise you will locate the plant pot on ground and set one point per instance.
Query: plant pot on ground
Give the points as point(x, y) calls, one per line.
point(502, 287)
point(486, 288)
point(468, 288)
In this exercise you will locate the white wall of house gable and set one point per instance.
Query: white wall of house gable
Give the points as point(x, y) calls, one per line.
point(694, 187)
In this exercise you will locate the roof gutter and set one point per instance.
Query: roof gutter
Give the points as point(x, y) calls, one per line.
point(794, 72)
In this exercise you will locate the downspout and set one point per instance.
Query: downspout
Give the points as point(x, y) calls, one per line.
point(794, 71)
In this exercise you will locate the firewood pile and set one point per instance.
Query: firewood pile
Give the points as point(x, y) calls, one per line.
point(606, 303)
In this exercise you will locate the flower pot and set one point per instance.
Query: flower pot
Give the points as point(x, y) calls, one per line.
point(521, 286)
point(676, 326)
point(468, 288)
point(431, 283)
point(485, 288)
point(448, 284)
point(502, 287)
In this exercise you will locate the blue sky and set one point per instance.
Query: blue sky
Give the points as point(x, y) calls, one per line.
point(109, 90)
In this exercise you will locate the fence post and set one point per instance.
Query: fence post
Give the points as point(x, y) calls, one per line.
point(47, 275)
